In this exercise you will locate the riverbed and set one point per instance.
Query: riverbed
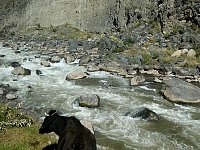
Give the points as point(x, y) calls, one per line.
point(178, 127)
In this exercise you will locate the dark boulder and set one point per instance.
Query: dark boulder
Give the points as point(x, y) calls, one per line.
point(143, 113)
point(15, 64)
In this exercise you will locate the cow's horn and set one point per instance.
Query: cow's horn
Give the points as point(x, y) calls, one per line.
point(46, 114)
point(54, 113)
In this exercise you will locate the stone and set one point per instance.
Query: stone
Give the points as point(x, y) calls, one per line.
point(157, 80)
point(1, 91)
point(21, 71)
point(177, 53)
point(143, 113)
point(45, 63)
point(179, 91)
point(15, 64)
point(11, 96)
point(191, 53)
point(55, 59)
point(88, 100)
point(92, 68)
point(85, 60)
point(38, 72)
point(184, 51)
point(76, 75)
point(137, 80)
point(69, 58)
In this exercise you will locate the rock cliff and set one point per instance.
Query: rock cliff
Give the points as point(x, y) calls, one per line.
point(97, 15)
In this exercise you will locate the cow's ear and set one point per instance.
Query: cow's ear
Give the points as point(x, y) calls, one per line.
point(52, 112)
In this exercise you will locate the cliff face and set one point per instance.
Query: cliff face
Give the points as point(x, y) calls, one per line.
point(97, 15)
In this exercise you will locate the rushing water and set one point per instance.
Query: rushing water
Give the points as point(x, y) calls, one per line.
point(178, 127)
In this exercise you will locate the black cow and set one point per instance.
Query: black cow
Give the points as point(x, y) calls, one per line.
point(72, 134)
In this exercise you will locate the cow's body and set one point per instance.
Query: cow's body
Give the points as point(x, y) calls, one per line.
point(72, 134)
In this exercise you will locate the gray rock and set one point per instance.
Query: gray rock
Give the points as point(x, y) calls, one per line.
point(55, 59)
point(11, 96)
point(1, 91)
point(85, 60)
point(191, 53)
point(143, 113)
point(92, 68)
point(69, 58)
point(76, 75)
point(137, 80)
point(179, 91)
point(21, 71)
point(88, 100)
point(177, 53)
point(45, 63)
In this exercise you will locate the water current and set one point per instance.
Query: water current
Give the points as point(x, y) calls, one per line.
point(178, 127)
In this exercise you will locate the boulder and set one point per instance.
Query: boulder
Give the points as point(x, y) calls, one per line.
point(2, 55)
point(55, 59)
point(143, 113)
point(15, 64)
point(137, 80)
point(76, 75)
point(21, 71)
point(11, 96)
point(179, 91)
point(191, 53)
point(69, 58)
point(1, 91)
point(38, 72)
point(157, 80)
point(177, 53)
point(92, 68)
point(88, 100)
point(85, 60)
point(45, 63)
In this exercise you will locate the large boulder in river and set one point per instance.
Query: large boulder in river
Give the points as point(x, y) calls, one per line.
point(76, 75)
point(88, 100)
point(143, 113)
point(179, 91)
point(21, 71)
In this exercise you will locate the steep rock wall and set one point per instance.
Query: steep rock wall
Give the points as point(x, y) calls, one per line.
point(97, 15)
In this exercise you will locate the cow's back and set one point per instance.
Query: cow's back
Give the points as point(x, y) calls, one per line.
point(77, 137)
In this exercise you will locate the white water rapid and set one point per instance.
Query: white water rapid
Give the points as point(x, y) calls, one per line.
point(178, 128)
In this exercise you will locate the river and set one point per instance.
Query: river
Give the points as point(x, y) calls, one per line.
point(178, 127)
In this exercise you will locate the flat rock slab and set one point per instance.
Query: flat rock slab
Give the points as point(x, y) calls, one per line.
point(179, 91)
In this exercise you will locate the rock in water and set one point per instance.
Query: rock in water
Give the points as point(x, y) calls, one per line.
point(88, 100)
point(179, 91)
point(143, 113)
point(21, 71)
point(76, 75)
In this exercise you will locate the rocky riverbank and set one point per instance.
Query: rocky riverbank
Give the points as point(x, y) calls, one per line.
point(139, 54)
point(142, 54)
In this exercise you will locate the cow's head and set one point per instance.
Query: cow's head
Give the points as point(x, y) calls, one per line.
point(49, 123)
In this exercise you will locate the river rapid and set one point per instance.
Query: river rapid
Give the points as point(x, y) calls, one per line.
point(178, 127)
